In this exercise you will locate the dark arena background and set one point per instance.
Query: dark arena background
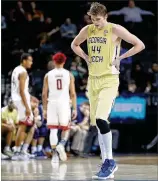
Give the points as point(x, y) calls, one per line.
point(38, 27)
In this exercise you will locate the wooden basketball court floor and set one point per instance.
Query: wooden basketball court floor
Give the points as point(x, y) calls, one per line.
point(130, 168)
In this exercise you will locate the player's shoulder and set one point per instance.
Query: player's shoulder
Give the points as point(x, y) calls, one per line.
point(112, 24)
point(117, 28)
point(16, 69)
point(65, 70)
point(87, 28)
point(19, 69)
point(49, 72)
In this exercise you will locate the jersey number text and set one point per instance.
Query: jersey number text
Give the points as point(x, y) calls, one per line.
point(96, 49)
point(59, 84)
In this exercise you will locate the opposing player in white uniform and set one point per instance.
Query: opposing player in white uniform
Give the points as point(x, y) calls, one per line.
point(21, 98)
point(58, 89)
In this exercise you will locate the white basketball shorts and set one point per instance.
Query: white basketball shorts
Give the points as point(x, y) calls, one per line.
point(22, 112)
point(58, 115)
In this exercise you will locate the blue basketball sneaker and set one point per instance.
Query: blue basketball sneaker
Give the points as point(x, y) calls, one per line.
point(107, 170)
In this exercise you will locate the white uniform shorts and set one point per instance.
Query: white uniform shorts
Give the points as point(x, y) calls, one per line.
point(22, 111)
point(58, 115)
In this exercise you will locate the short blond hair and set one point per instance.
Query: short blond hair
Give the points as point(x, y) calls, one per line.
point(97, 9)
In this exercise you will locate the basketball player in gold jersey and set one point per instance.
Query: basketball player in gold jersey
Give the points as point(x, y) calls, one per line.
point(103, 41)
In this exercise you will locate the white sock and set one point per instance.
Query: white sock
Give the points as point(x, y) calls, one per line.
point(7, 148)
point(33, 149)
point(53, 137)
point(39, 148)
point(25, 147)
point(102, 147)
point(107, 139)
point(18, 149)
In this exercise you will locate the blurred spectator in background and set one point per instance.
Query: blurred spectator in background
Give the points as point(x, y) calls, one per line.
point(79, 71)
point(49, 27)
point(37, 77)
point(52, 31)
point(74, 71)
point(46, 46)
point(83, 84)
point(80, 67)
point(29, 17)
point(3, 23)
point(133, 20)
point(132, 88)
point(4, 29)
point(80, 127)
point(131, 13)
point(115, 139)
point(86, 21)
point(68, 32)
point(18, 14)
point(49, 38)
point(140, 77)
point(35, 12)
point(50, 65)
point(40, 133)
point(9, 118)
point(125, 70)
point(148, 87)
point(153, 77)
point(91, 137)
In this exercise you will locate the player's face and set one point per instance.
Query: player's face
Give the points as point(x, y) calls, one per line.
point(29, 62)
point(98, 21)
point(84, 108)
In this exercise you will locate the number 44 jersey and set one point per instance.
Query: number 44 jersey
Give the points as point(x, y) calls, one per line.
point(58, 85)
point(102, 51)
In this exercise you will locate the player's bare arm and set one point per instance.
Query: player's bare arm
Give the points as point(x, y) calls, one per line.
point(125, 35)
point(73, 96)
point(34, 99)
point(80, 38)
point(85, 119)
point(45, 95)
point(22, 80)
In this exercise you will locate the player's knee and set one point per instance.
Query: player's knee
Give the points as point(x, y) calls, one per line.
point(103, 126)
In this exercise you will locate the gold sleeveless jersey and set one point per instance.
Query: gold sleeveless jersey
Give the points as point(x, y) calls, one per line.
point(102, 51)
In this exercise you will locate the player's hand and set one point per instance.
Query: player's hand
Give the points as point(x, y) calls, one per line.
point(45, 114)
point(28, 112)
point(39, 123)
point(116, 62)
point(11, 127)
point(87, 59)
point(34, 99)
point(87, 113)
point(74, 114)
